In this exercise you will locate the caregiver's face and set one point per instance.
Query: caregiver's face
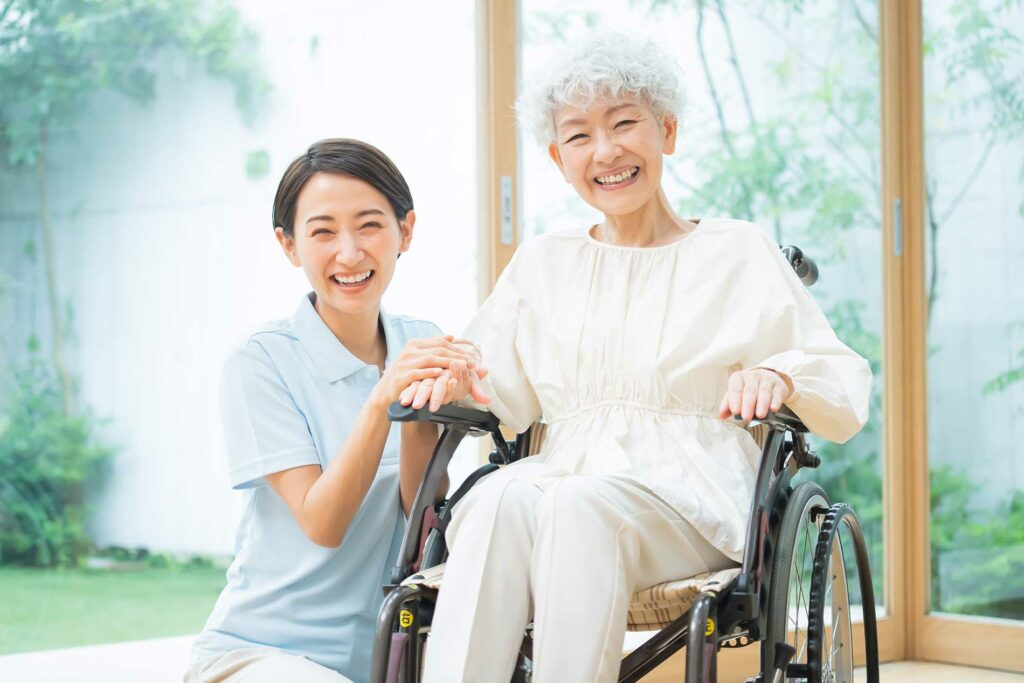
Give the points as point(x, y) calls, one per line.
point(611, 152)
point(347, 239)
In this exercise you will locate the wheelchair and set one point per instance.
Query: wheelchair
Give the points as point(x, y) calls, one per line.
point(790, 596)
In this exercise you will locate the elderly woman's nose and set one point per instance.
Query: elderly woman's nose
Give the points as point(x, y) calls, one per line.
point(606, 149)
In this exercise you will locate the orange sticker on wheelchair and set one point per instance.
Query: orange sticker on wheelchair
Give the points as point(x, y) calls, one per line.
point(405, 618)
point(709, 628)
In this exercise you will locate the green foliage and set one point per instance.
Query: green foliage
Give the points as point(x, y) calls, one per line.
point(45, 459)
point(1005, 380)
point(977, 555)
point(54, 54)
point(257, 164)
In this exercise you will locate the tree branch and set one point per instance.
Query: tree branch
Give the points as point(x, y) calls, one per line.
point(734, 59)
point(842, 152)
point(49, 261)
point(971, 177)
point(863, 23)
point(726, 139)
point(7, 8)
point(719, 112)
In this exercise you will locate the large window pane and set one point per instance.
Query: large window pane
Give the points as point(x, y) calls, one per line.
point(974, 155)
point(159, 168)
point(782, 128)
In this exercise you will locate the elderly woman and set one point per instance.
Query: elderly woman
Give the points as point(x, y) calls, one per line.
point(637, 339)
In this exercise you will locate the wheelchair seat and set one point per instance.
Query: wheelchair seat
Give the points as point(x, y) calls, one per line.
point(650, 609)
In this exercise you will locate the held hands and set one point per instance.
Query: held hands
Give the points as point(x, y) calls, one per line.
point(461, 379)
point(422, 360)
point(755, 392)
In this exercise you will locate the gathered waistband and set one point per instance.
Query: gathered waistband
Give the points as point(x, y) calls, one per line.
point(686, 411)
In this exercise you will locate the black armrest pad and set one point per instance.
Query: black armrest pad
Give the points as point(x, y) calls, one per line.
point(785, 419)
point(478, 421)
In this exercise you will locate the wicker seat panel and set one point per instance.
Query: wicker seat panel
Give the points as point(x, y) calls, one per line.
point(650, 609)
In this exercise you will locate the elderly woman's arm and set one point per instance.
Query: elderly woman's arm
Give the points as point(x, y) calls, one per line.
point(498, 383)
point(831, 384)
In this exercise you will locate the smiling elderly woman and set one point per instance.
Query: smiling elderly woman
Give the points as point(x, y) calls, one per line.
point(637, 339)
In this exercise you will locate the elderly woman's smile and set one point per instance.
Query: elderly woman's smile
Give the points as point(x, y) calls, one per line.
point(617, 179)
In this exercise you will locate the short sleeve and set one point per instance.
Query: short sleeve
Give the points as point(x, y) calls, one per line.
point(832, 383)
point(264, 430)
point(496, 331)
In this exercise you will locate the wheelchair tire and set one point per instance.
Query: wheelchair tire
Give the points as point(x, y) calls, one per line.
point(790, 578)
point(830, 651)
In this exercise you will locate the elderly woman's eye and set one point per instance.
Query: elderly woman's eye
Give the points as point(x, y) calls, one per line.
point(624, 122)
point(574, 138)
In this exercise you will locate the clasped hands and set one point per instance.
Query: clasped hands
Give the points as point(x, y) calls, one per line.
point(434, 371)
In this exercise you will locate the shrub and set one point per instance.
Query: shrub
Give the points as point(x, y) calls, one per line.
point(45, 459)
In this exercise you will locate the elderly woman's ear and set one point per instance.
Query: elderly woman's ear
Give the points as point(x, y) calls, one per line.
point(556, 156)
point(670, 128)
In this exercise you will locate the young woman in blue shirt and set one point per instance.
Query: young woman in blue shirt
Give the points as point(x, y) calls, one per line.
point(304, 402)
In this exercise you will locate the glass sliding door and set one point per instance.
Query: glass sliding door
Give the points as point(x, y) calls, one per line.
point(974, 289)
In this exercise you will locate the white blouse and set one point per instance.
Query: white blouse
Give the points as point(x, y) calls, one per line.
point(626, 352)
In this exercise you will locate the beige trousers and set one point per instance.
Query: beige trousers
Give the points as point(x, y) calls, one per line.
point(566, 551)
point(260, 665)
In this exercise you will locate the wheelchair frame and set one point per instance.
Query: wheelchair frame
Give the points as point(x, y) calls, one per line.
point(735, 616)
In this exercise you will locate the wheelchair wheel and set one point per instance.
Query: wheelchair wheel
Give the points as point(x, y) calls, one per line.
point(788, 610)
point(830, 625)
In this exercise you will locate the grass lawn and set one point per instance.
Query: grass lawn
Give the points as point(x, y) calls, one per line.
point(42, 609)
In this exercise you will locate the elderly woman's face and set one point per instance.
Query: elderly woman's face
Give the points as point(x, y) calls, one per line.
point(611, 152)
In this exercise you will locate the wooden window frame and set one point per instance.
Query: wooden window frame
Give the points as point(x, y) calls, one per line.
point(908, 630)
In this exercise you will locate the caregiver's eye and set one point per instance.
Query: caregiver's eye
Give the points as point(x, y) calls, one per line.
point(371, 224)
point(319, 232)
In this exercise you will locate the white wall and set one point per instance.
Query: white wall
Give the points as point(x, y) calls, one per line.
point(167, 252)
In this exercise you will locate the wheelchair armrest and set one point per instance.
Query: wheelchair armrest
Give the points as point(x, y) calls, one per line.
point(474, 421)
point(784, 419)
point(457, 422)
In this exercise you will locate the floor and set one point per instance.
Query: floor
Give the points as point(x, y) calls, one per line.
point(164, 659)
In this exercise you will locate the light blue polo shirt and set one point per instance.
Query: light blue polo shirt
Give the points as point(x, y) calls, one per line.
point(289, 397)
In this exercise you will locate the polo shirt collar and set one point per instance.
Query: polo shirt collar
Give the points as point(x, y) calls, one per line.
point(332, 358)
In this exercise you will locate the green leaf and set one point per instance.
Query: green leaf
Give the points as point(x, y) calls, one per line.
point(257, 164)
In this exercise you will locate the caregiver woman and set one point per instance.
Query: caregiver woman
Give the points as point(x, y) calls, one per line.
point(304, 403)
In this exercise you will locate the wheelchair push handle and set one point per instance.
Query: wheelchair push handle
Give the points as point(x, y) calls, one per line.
point(805, 268)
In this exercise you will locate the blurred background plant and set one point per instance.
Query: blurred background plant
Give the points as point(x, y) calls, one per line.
point(54, 56)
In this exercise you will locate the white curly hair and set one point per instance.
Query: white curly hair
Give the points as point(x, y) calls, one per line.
point(608, 64)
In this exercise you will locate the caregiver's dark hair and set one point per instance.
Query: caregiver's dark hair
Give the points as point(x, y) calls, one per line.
point(347, 157)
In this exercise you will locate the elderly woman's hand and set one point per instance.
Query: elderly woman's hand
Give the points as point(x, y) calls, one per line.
point(755, 392)
point(461, 379)
point(420, 359)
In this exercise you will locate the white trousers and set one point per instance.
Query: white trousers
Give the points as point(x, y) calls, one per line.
point(260, 665)
point(568, 551)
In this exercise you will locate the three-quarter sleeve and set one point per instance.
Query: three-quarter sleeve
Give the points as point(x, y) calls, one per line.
point(264, 430)
point(495, 330)
point(832, 383)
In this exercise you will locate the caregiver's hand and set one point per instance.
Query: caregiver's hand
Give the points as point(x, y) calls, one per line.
point(461, 379)
point(421, 359)
point(755, 392)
